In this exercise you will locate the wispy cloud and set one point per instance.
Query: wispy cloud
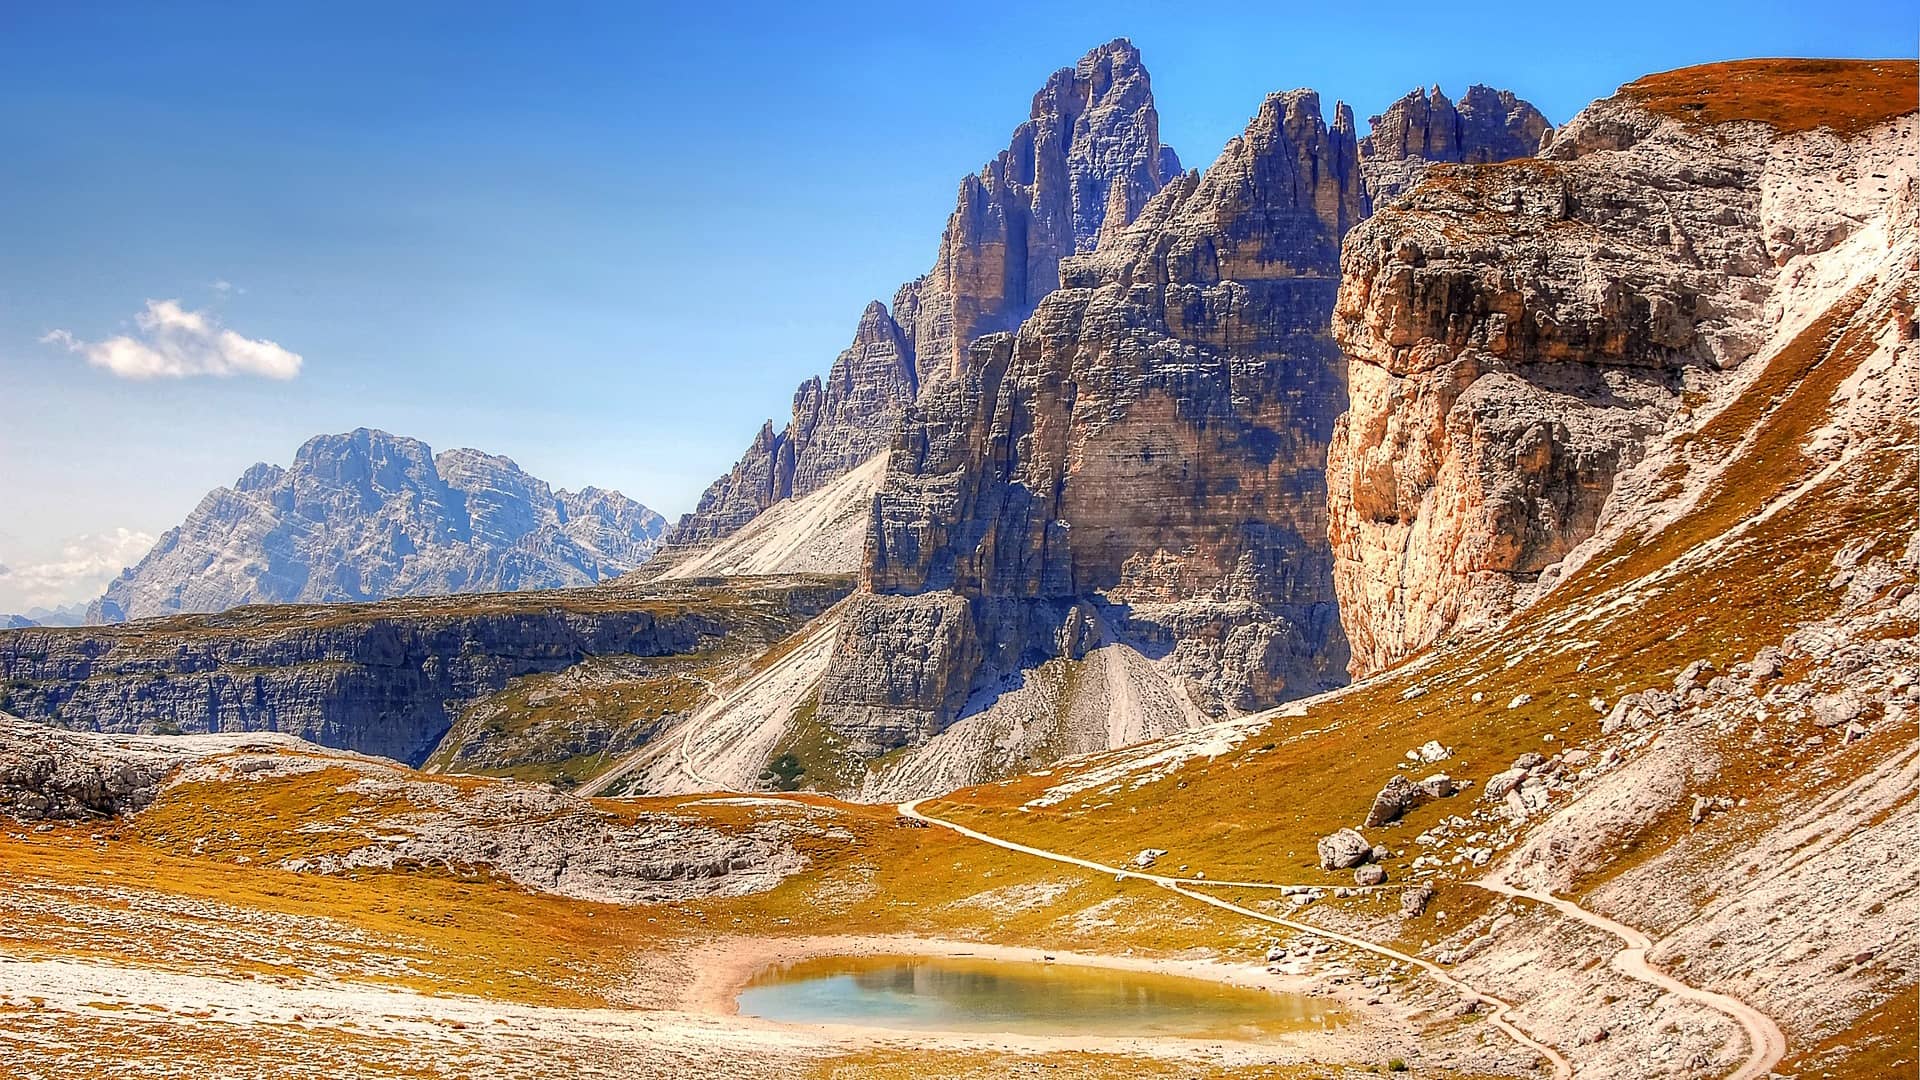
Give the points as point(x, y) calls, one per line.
point(174, 343)
point(81, 571)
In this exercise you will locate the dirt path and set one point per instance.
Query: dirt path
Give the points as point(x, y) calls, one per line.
point(1767, 1044)
point(1497, 1015)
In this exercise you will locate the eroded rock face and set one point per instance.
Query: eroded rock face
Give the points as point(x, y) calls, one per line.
point(1517, 332)
point(366, 516)
point(1144, 459)
point(384, 679)
point(1088, 158)
point(47, 774)
point(1425, 127)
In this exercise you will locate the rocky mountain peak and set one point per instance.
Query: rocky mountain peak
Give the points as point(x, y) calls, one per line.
point(1425, 126)
point(1087, 158)
point(1140, 464)
point(367, 515)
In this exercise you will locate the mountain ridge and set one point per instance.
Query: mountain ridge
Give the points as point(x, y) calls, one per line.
point(366, 515)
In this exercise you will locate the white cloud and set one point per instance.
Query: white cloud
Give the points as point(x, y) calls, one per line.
point(174, 343)
point(81, 570)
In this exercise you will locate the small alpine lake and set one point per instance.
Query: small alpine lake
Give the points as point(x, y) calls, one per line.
point(972, 994)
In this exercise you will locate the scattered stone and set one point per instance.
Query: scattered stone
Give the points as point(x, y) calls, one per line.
point(1432, 751)
point(1692, 676)
point(1529, 761)
point(1503, 782)
point(1344, 850)
point(1519, 700)
point(1835, 709)
point(1147, 857)
point(1394, 800)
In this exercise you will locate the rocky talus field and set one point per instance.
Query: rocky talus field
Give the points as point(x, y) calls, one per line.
point(1464, 571)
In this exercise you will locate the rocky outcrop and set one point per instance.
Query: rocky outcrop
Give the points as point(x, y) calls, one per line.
point(1516, 333)
point(1088, 158)
point(386, 679)
point(366, 516)
point(1143, 461)
point(1425, 127)
point(47, 774)
point(538, 838)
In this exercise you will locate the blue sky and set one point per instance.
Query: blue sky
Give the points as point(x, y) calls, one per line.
point(605, 240)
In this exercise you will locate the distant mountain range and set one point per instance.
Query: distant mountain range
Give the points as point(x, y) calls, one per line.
point(366, 516)
point(70, 615)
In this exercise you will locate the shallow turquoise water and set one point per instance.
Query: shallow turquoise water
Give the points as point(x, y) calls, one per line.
point(976, 995)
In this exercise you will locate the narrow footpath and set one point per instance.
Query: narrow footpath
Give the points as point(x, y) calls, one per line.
point(1766, 1043)
point(1497, 1014)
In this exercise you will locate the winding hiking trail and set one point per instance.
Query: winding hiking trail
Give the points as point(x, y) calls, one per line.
point(1766, 1043)
point(1497, 1016)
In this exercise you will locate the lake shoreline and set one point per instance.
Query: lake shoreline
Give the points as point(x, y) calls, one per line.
point(1365, 1029)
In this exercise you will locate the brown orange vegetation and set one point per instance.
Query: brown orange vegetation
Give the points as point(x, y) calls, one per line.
point(1255, 812)
point(1885, 1042)
point(1791, 95)
point(469, 932)
point(744, 596)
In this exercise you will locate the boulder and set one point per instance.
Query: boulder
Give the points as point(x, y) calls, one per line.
point(1503, 782)
point(1835, 709)
point(1693, 676)
point(1414, 901)
point(1399, 796)
point(1344, 850)
point(1369, 874)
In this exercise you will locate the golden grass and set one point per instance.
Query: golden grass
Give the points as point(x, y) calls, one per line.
point(453, 931)
point(1884, 1042)
point(1791, 95)
point(1255, 812)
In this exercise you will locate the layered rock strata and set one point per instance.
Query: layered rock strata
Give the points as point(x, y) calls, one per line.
point(386, 679)
point(1088, 158)
point(1516, 333)
point(1142, 462)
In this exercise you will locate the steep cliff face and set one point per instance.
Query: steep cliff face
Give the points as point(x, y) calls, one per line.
point(1088, 157)
point(1425, 127)
point(1517, 333)
point(1142, 462)
point(387, 678)
point(367, 515)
